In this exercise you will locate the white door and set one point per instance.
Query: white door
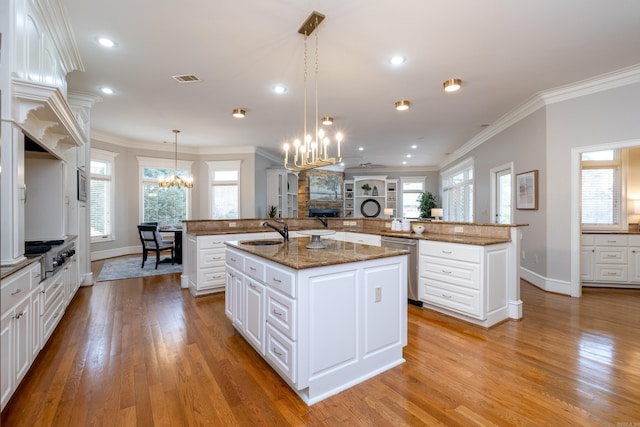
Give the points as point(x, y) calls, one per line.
point(501, 194)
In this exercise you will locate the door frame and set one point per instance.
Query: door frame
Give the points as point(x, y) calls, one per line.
point(493, 182)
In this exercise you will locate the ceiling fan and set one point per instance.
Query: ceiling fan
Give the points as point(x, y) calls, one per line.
point(370, 165)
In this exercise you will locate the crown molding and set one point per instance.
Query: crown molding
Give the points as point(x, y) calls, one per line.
point(54, 17)
point(603, 82)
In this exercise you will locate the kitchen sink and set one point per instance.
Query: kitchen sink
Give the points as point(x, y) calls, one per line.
point(262, 242)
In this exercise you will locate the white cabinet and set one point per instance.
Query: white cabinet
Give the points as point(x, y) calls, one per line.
point(282, 192)
point(467, 281)
point(362, 238)
point(322, 329)
point(18, 324)
point(392, 195)
point(53, 304)
point(614, 260)
point(370, 201)
point(349, 199)
point(205, 261)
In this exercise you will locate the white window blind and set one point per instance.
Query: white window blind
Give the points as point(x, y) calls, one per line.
point(457, 192)
point(224, 180)
point(101, 195)
point(601, 189)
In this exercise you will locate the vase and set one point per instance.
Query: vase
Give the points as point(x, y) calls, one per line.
point(375, 191)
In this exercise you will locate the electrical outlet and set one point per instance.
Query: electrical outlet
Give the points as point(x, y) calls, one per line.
point(458, 229)
point(232, 224)
point(378, 294)
point(523, 255)
point(535, 258)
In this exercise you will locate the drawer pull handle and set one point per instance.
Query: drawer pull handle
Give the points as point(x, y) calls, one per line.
point(446, 272)
point(277, 313)
point(19, 315)
point(277, 280)
point(216, 257)
point(611, 241)
point(276, 352)
point(36, 275)
point(216, 277)
point(251, 285)
point(16, 292)
point(612, 256)
point(633, 251)
point(43, 291)
point(447, 296)
point(56, 285)
point(447, 252)
point(233, 259)
point(611, 274)
point(252, 268)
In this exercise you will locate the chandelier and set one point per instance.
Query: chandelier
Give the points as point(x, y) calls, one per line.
point(312, 151)
point(175, 180)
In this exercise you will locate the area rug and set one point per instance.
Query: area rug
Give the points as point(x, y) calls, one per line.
point(125, 268)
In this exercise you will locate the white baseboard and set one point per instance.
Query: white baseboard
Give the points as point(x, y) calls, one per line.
point(86, 279)
point(546, 284)
point(111, 253)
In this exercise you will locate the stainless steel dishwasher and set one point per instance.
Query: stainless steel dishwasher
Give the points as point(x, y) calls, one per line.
point(412, 265)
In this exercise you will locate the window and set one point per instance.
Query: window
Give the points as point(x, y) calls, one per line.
point(224, 179)
point(166, 205)
point(602, 189)
point(457, 192)
point(101, 194)
point(412, 187)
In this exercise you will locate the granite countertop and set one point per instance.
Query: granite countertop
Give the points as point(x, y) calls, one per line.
point(7, 270)
point(294, 253)
point(449, 238)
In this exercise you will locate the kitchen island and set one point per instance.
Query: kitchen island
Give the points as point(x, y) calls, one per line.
point(324, 319)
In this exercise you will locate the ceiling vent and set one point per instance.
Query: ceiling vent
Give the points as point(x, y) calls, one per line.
point(187, 78)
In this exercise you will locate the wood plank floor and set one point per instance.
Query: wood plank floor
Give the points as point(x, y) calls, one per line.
point(144, 352)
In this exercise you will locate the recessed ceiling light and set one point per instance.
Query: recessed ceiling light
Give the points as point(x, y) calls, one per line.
point(402, 105)
point(238, 113)
point(404, 163)
point(397, 60)
point(327, 121)
point(414, 146)
point(360, 148)
point(106, 42)
point(106, 90)
point(452, 85)
point(279, 89)
point(408, 156)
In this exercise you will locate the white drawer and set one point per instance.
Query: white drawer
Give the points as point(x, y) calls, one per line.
point(455, 272)
point(281, 353)
point(634, 240)
point(611, 255)
point(254, 269)
point(51, 317)
point(211, 257)
point(453, 251)
point(235, 260)
point(211, 277)
point(210, 242)
point(611, 240)
point(281, 313)
point(588, 240)
point(454, 298)
point(611, 273)
point(280, 280)
point(51, 289)
point(16, 290)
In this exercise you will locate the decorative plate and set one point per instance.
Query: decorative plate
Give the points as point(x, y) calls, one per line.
point(370, 208)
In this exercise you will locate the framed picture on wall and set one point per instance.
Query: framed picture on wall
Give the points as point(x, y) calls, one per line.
point(527, 190)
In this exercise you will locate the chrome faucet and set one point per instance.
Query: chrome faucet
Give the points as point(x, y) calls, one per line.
point(285, 229)
point(323, 220)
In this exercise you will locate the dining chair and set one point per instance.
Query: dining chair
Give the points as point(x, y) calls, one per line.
point(152, 241)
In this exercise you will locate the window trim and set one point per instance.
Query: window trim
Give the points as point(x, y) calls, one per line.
point(223, 165)
point(447, 174)
point(109, 157)
point(403, 179)
point(621, 160)
point(160, 163)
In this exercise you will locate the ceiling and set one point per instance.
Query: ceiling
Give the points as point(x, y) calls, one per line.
point(504, 52)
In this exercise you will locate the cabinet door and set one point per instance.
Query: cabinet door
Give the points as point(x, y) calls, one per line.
point(36, 327)
point(238, 301)
point(22, 338)
point(228, 293)
point(634, 264)
point(6, 357)
point(587, 262)
point(254, 322)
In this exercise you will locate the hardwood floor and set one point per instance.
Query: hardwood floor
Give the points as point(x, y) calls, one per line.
point(145, 352)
